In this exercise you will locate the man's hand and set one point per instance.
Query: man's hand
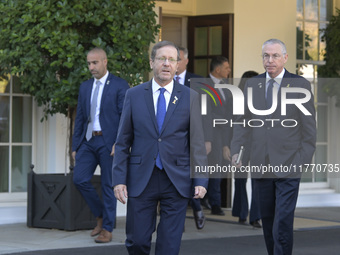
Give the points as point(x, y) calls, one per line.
point(74, 155)
point(226, 153)
point(113, 150)
point(208, 147)
point(200, 192)
point(233, 161)
point(121, 193)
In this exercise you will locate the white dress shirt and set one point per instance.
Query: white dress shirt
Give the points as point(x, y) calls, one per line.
point(156, 91)
point(277, 80)
point(96, 122)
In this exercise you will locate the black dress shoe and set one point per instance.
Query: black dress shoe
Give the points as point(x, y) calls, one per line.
point(216, 210)
point(199, 219)
point(256, 224)
point(242, 221)
point(205, 203)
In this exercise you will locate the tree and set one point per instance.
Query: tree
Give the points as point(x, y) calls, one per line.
point(331, 35)
point(45, 43)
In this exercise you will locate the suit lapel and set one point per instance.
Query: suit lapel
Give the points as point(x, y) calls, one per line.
point(150, 104)
point(284, 84)
point(105, 90)
point(88, 97)
point(259, 93)
point(174, 99)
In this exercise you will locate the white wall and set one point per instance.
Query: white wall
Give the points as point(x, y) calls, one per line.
point(257, 21)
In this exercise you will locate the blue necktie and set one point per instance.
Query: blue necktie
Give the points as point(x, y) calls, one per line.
point(93, 111)
point(161, 110)
point(270, 93)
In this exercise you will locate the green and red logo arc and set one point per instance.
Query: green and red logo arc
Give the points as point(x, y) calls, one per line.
point(210, 94)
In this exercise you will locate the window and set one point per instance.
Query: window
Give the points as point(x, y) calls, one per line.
point(312, 17)
point(15, 135)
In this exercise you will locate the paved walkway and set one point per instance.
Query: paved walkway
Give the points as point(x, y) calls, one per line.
point(317, 230)
point(16, 238)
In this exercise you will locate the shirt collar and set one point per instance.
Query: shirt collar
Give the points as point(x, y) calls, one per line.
point(182, 75)
point(278, 78)
point(215, 80)
point(169, 87)
point(103, 79)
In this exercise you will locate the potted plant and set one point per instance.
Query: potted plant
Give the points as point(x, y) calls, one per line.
point(45, 44)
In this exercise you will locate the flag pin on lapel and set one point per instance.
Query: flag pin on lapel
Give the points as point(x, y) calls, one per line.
point(175, 100)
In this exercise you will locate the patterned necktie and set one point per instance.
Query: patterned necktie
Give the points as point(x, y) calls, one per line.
point(177, 78)
point(93, 111)
point(161, 110)
point(269, 100)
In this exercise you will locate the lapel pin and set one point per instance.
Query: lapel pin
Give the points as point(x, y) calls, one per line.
point(108, 82)
point(175, 100)
point(288, 85)
point(260, 85)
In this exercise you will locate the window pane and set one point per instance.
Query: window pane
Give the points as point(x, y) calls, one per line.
point(322, 44)
point(311, 9)
point(326, 7)
point(4, 157)
point(201, 40)
point(299, 9)
point(21, 161)
point(4, 119)
point(201, 67)
point(215, 40)
point(299, 40)
point(22, 119)
point(322, 96)
point(322, 123)
point(312, 35)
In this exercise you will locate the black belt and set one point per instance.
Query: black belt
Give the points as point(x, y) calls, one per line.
point(97, 133)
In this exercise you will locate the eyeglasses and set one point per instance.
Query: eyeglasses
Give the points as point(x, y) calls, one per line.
point(164, 59)
point(274, 56)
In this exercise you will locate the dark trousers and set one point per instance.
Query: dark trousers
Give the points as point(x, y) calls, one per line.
point(90, 154)
point(142, 215)
point(240, 203)
point(214, 192)
point(278, 197)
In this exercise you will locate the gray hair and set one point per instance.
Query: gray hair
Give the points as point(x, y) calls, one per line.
point(276, 41)
point(185, 51)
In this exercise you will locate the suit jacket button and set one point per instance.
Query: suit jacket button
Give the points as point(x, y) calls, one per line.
point(159, 139)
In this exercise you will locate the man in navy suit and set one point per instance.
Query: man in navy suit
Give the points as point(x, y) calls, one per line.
point(100, 104)
point(160, 138)
point(278, 147)
point(219, 137)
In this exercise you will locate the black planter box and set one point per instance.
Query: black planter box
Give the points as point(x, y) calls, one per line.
point(54, 202)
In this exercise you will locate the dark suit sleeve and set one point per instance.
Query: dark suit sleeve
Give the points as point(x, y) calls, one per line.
point(241, 133)
point(228, 130)
point(308, 130)
point(121, 96)
point(123, 144)
point(197, 148)
point(79, 122)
